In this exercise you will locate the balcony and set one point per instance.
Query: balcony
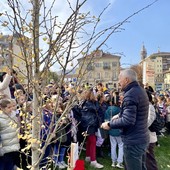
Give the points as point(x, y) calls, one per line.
point(106, 67)
point(114, 79)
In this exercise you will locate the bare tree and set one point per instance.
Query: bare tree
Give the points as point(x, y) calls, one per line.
point(47, 42)
point(138, 69)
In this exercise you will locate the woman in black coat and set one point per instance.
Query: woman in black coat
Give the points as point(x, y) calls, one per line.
point(86, 113)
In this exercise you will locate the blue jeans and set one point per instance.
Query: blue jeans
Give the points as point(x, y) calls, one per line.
point(45, 159)
point(135, 156)
point(59, 153)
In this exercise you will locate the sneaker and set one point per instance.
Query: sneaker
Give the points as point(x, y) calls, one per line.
point(64, 164)
point(120, 165)
point(87, 159)
point(95, 164)
point(60, 165)
point(113, 164)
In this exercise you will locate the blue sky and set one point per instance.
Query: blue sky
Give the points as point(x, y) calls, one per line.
point(151, 27)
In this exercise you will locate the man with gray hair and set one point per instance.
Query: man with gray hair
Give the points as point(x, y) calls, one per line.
point(132, 121)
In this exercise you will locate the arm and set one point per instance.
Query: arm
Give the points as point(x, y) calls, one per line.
point(6, 81)
point(128, 117)
point(151, 115)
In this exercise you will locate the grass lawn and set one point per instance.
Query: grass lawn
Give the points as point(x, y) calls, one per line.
point(163, 153)
point(162, 156)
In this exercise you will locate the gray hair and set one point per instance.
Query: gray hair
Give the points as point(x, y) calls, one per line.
point(130, 74)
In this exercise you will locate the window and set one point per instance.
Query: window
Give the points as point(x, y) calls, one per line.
point(98, 75)
point(107, 75)
point(90, 67)
point(90, 76)
point(114, 64)
point(106, 64)
point(98, 64)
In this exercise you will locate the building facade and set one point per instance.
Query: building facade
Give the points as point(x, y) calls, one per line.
point(167, 80)
point(154, 68)
point(100, 67)
point(12, 54)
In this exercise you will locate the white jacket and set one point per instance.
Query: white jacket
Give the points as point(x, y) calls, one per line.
point(4, 86)
point(151, 118)
point(168, 113)
point(9, 134)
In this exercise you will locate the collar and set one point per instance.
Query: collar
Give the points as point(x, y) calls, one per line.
point(130, 85)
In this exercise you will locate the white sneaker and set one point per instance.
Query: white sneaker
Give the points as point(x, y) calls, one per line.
point(64, 164)
point(87, 159)
point(113, 164)
point(95, 164)
point(60, 165)
point(120, 165)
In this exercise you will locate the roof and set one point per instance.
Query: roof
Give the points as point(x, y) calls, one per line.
point(156, 55)
point(99, 54)
point(160, 54)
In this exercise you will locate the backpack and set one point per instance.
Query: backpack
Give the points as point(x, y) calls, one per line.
point(159, 121)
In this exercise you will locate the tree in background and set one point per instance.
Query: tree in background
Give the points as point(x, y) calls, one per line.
point(138, 69)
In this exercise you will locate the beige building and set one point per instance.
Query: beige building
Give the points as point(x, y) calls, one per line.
point(167, 79)
point(12, 55)
point(100, 67)
point(154, 67)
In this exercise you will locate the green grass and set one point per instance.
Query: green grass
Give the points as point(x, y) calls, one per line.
point(163, 153)
point(162, 156)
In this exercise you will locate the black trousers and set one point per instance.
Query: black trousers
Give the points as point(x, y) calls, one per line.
point(8, 160)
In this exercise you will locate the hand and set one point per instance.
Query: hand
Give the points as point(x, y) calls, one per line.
point(105, 126)
point(8, 71)
point(0, 144)
point(115, 117)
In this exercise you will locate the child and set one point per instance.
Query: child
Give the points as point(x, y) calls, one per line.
point(101, 135)
point(62, 137)
point(114, 134)
point(8, 130)
point(18, 93)
point(47, 116)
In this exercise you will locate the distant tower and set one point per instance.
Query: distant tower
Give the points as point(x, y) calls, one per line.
point(158, 49)
point(143, 53)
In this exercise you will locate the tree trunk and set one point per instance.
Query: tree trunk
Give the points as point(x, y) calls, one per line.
point(36, 115)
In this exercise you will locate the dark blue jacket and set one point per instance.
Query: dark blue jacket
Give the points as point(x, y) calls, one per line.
point(86, 114)
point(47, 118)
point(133, 116)
point(101, 112)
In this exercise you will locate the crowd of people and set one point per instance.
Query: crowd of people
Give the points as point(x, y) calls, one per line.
point(98, 117)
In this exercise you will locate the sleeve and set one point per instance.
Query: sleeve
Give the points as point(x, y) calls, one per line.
point(6, 82)
point(151, 114)
point(127, 117)
point(76, 112)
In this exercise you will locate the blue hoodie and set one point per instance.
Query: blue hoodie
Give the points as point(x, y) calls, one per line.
point(110, 112)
